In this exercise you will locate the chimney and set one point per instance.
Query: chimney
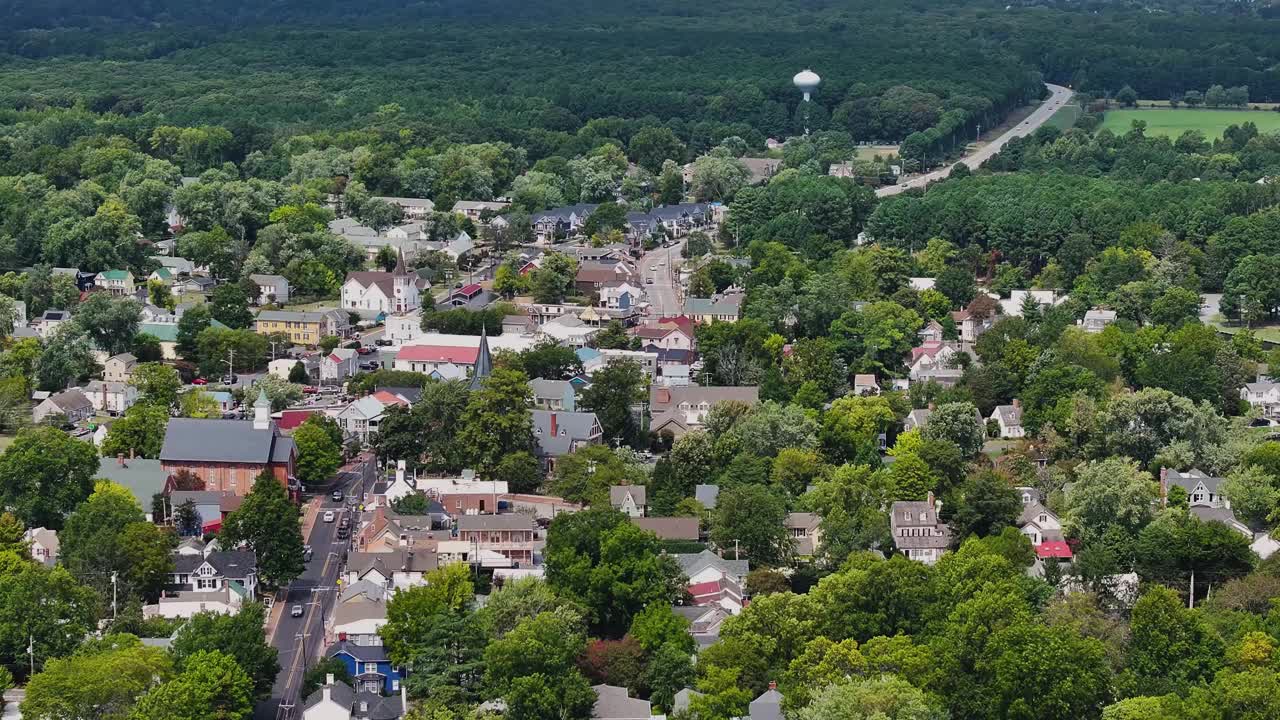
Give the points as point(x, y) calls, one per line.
point(328, 679)
point(400, 470)
point(120, 459)
point(930, 497)
point(553, 424)
point(773, 685)
point(1017, 404)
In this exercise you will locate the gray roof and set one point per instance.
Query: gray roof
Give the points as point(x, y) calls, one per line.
point(387, 563)
point(234, 564)
point(143, 478)
point(511, 521)
point(618, 493)
point(339, 692)
point(1010, 415)
point(938, 535)
point(766, 707)
point(1189, 479)
point(1031, 510)
point(73, 399)
point(1213, 514)
point(693, 563)
point(193, 440)
point(613, 703)
point(389, 707)
point(347, 612)
point(276, 280)
point(707, 495)
point(570, 427)
point(363, 653)
point(555, 389)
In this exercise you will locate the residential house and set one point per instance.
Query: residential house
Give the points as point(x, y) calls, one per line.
point(119, 368)
point(629, 499)
point(361, 418)
point(51, 320)
point(518, 325)
point(714, 580)
point(473, 209)
point(556, 224)
point(465, 495)
point(805, 530)
point(557, 395)
point(677, 410)
point(445, 362)
point(599, 359)
point(111, 398)
point(570, 331)
point(194, 285)
point(1097, 319)
point(511, 536)
point(338, 701)
point(970, 325)
point(72, 404)
point(1009, 419)
point(865, 384)
point(177, 265)
point(930, 355)
point(416, 208)
point(461, 245)
point(375, 294)
point(368, 665)
point(721, 307)
point(670, 528)
point(162, 275)
point(1039, 523)
point(228, 455)
point(760, 169)
point(1044, 298)
point(395, 569)
point(613, 703)
point(593, 277)
point(302, 328)
point(272, 289)
point(931, 332)
point(208, 581)
point(704, 622)
point(43, 544)
point(663, 336)
point(1202, 489)
point(556, 434)
point(917, 418)
point(351, 228)
point(619, 295)
point(167, 333)
point(917, 530)
point(1264, 395)
point(1222, 515)
point(115, 282)
point(339, 365)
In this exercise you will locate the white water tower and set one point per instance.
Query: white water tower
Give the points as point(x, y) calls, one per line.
point(807, 80)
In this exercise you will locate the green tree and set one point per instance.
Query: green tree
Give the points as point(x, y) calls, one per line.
point(750, 519)
point(497, 422)
point(139, 433)
point(658, 625)
point(193, 321)
point(653, 146)
point(315, 676)
point(613, 392)
point(319, 455)
point(41, 608)
point(959, 424)
point(67, 357)
point(883, 698)
point(546, 644)
point(157, 383)
point(109, 322)
point(613, 567)
point(298, 374)
point(586, 475)
point(269, 523)
point(413, 612)
point(1170, 646)
point(211, 686)
point(1107, 492)
point(102, 682)
point(229, 305)
point(241, 636)
point(45, 474)
point(100, 540)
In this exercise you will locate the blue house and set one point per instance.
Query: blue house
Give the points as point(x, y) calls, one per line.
point(369, 666)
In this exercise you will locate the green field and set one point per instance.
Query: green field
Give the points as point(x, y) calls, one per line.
point(1173, 123)
point(1065, 117)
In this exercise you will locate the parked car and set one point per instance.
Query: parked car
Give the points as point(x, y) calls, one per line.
point(328, 516)
point(364, 350)
point(383, 342)
point(296, 611)
point(310, 390)
point(230, 379)
point(199, 381)
point(370, 366)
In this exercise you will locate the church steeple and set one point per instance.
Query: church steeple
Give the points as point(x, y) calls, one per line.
point(484, 361)
point(262, 411)
point(400, 267)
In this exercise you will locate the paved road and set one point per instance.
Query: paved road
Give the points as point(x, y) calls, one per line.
point(300, 640)
point(663, 296)
point(1057, 99)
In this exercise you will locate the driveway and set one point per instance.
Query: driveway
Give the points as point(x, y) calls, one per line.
point(1058, 97)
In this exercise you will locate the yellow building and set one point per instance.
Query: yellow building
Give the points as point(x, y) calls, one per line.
point(302, 328)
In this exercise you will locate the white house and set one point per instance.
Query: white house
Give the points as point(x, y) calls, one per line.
point(71, 404)
point(629, 499)
point(1009, 418)
point(111, 398)
point(339, 365)
point(361, 418)
point(917, 530)
point(417, 208)
point(43, 544)
point(371, 294)
point(1264, 395)
point(271, 289)
point(1043, 298)
point(1039, 523)
point(929, 356)
point(865, 384)
point(119, 368)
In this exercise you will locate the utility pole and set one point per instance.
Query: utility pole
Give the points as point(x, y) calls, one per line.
point(31, 651)
point(1191, 597)
point(231, 364)
point(114, 577)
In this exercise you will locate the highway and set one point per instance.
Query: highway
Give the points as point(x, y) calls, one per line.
point(301, 640)
point(1058, 97)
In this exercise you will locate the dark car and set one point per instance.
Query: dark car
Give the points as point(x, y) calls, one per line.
point(383, 342)
point(337, 496)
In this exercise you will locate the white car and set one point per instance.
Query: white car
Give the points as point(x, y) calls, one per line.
point(328, 516)
point(653, 268)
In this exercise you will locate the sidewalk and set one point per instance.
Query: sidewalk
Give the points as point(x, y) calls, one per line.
point(310, 510)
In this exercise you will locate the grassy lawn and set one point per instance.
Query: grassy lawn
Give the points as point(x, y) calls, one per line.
point(1065, 117)
point(5, 442)
point(1265, 333)
point(1170, 122)
point(308, 307)
point(869, 152)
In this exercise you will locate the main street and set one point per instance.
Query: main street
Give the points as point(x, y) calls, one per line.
point(299, 640)
point(664, 297)
point(1058, 97)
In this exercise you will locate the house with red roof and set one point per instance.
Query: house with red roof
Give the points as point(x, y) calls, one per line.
point(1054, 549)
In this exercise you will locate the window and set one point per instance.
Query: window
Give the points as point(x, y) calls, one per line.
point(206, 584)
point(370, 668)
